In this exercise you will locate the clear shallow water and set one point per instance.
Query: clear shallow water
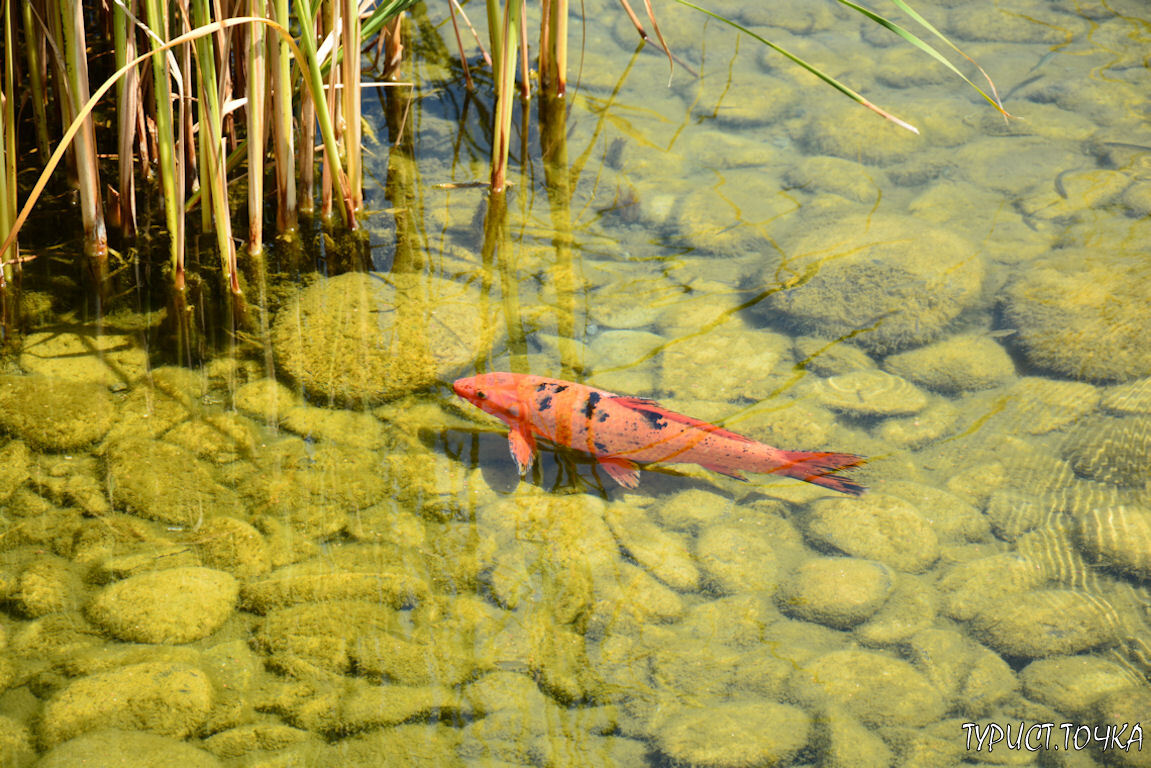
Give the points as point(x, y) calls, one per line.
point(968, 309)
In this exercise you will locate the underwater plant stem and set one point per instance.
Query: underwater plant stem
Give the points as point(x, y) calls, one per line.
point(350, 99)
point(257, 93)
point(91, 203)
point(33, 51)
point(282, 137)
point(505, 94)
point(127, 93)
point(165, 148)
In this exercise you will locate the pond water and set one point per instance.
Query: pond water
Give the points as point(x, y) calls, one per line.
point(307, 551)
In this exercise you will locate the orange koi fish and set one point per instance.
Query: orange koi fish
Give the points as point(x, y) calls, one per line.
point(621, 431)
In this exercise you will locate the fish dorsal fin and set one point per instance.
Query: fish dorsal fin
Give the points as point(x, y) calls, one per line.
point(654, 412)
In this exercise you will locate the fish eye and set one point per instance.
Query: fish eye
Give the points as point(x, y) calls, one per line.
point(481, 395)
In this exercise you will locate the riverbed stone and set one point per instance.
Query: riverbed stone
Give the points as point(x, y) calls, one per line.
point(878, 689)
point(85, 354)
point(969, 586)
point(177, 605)
point(840, 592)
point(874, 527)
point(161, 481)
point(870, 393)
point(663, 553)
point(1084, 314)
point(1071, 684)
point(1110, 449)
point(53, 414)
point(365, 338)
point(736, 733)
point(889, 282)
point(123, 748)
point(957, 364)
point(164, 698)
point(1116, 536)
point(737, 557)
point(1047, 622)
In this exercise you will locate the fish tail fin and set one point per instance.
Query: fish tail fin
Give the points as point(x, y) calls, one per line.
point(820, 468)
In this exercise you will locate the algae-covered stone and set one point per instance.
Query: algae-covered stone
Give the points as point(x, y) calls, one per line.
point(164, 482)
point(876, 688)
point(692, 509)
point(313, 638)
point(846, 743)
point(1047, 622)
point(952, 518)
point(874, 527)
point(250, 737)
point(830, 357)
point(736, 733)
point(737, 557)
point(55, 414)
point(1085, 314)
point(177, 605)
point(746, 357)
point(375, 706)
point(960, 363)
point(896, 285)
point(1111, 449)
point(1117, 536)
point(962, 670)
point(85, 354)
point(359, 430)
point(837, 591)
point(870, 393)
point(1129, 708)
point(663, 553)
point(1133, 397)
point(933, 422)
point(14, 460)
point(349, 573)
point(841, 134)
point(16, 748)
point(116, 748)
point(367, 338)
point(911, 608)
point(234, 546)
point(987, 581)
point(166, 699)
point(839, 177)
point(1072, 684)
point(265, 399)
point(48, 585)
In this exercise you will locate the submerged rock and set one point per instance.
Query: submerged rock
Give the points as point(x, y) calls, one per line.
point(1111, 449)
point(1072, 684)
point(164, 698)
point(1085, 315)
point(734, 734)
point(874, 527)
point(889, 281)
point(870, 393)
point(837, 591)
point(116, 748)
point(177, 605)
point(55, 414)
point(1047, 622)
point(876, 688)
point(960, 363)
point(1117, 536)
point(362, 339)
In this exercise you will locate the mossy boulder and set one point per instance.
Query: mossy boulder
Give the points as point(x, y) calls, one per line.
point(1085, 315)
point(890, 282)
point(837, 591)
point(116, 748)
point(177, 605)
point(734, 734)
point(54, 414)
point(960, 363)
point(1047, 622)
point(874, 527)
point(164, 698)
point(365, 338)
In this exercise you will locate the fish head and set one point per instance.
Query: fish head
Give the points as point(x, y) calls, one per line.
point(494, 393)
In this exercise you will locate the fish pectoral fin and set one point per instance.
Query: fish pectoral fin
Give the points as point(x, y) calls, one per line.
point(725, 471)
point(523, 448)
point(623, 471)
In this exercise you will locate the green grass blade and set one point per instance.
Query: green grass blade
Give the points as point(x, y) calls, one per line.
point(844, 89)
point(909, 37)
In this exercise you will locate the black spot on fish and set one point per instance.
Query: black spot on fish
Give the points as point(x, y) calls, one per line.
point(656, 420)
point(560, 388)
point(593, 399)
point(602, 417)
point(600, 447)
point(542, 387)
point(545, 403)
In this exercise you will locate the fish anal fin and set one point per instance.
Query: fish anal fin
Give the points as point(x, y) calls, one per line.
point(725, 471)
point(523, 448)
point(623, 471)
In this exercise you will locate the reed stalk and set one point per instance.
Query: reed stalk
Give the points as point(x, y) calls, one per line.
point(282, 137)
point(505, 91)
point(127, 94)
point(350, 102)
point(88, 174)
point(306, 16)
point(212, 132)
point(35, 47)
point(9, 257)
point(157, 16)
point(257, 81)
